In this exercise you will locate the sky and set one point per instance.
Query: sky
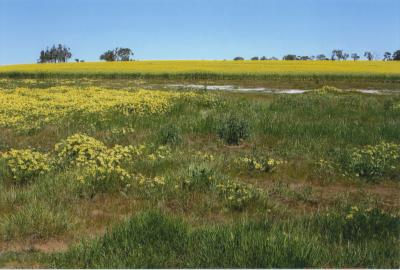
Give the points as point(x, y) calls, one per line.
point(197, 29)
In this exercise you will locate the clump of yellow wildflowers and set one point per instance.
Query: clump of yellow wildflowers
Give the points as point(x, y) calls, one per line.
point(98, 163)
point(237, 195)
point(25, 109)
point(328, 90)
point(203, 156)
point(160, 153)
point(374, 160)
point(261, 164)
point(150, 182)
point(26, 164)
point(148, 186)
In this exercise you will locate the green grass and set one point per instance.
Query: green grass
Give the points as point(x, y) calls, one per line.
point(187, 221)
point(152, 240)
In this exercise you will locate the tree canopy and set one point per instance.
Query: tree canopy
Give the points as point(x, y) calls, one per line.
point(60, 53)
point(118, 54)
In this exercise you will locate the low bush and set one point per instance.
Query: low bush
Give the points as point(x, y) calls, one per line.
point(233, 128)
point(200, 176)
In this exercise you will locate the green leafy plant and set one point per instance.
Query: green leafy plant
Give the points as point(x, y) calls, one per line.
point(233, 128)
point(200, 176)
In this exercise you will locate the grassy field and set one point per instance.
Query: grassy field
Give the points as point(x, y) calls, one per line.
point(103, 174)
point(314, 74)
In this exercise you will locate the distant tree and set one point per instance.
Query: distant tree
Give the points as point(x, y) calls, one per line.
point(61, 53)
point(337, 54)
point(303, 58)
point(263, 58)
point(53, 54)
point(273, 58)
point(290, 57)
point(369, 56)
point(118, 54)
point(123, 54)
point(109, 56)
point(42, 57)
point(238, 58)
point(387, 56)
point(321, 57)
point(355, 56)
point(345, 56)
point(396, 55)
point(255, 58)
point(76, 59)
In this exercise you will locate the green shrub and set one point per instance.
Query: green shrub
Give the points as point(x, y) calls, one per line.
point(233, 128)
point(170, 134)
point(92, 180)
point(200, 176)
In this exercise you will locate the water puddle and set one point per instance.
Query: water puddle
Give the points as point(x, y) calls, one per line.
point(234, 88)
point(261, 89)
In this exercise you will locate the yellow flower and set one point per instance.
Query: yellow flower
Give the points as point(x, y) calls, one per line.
point(30, 108)
point(354, 208)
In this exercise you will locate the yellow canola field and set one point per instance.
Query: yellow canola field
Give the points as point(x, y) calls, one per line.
point(25, 109)
point(223, 67)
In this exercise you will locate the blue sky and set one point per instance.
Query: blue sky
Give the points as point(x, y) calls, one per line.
point(197, 29)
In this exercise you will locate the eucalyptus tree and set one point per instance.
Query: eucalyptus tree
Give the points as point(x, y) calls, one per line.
point(387, 56)
point(355, 56)
point(369, 56)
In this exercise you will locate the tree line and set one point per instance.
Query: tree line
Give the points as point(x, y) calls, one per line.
point(62, 53)
point(55, 54)
point(336, 55)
